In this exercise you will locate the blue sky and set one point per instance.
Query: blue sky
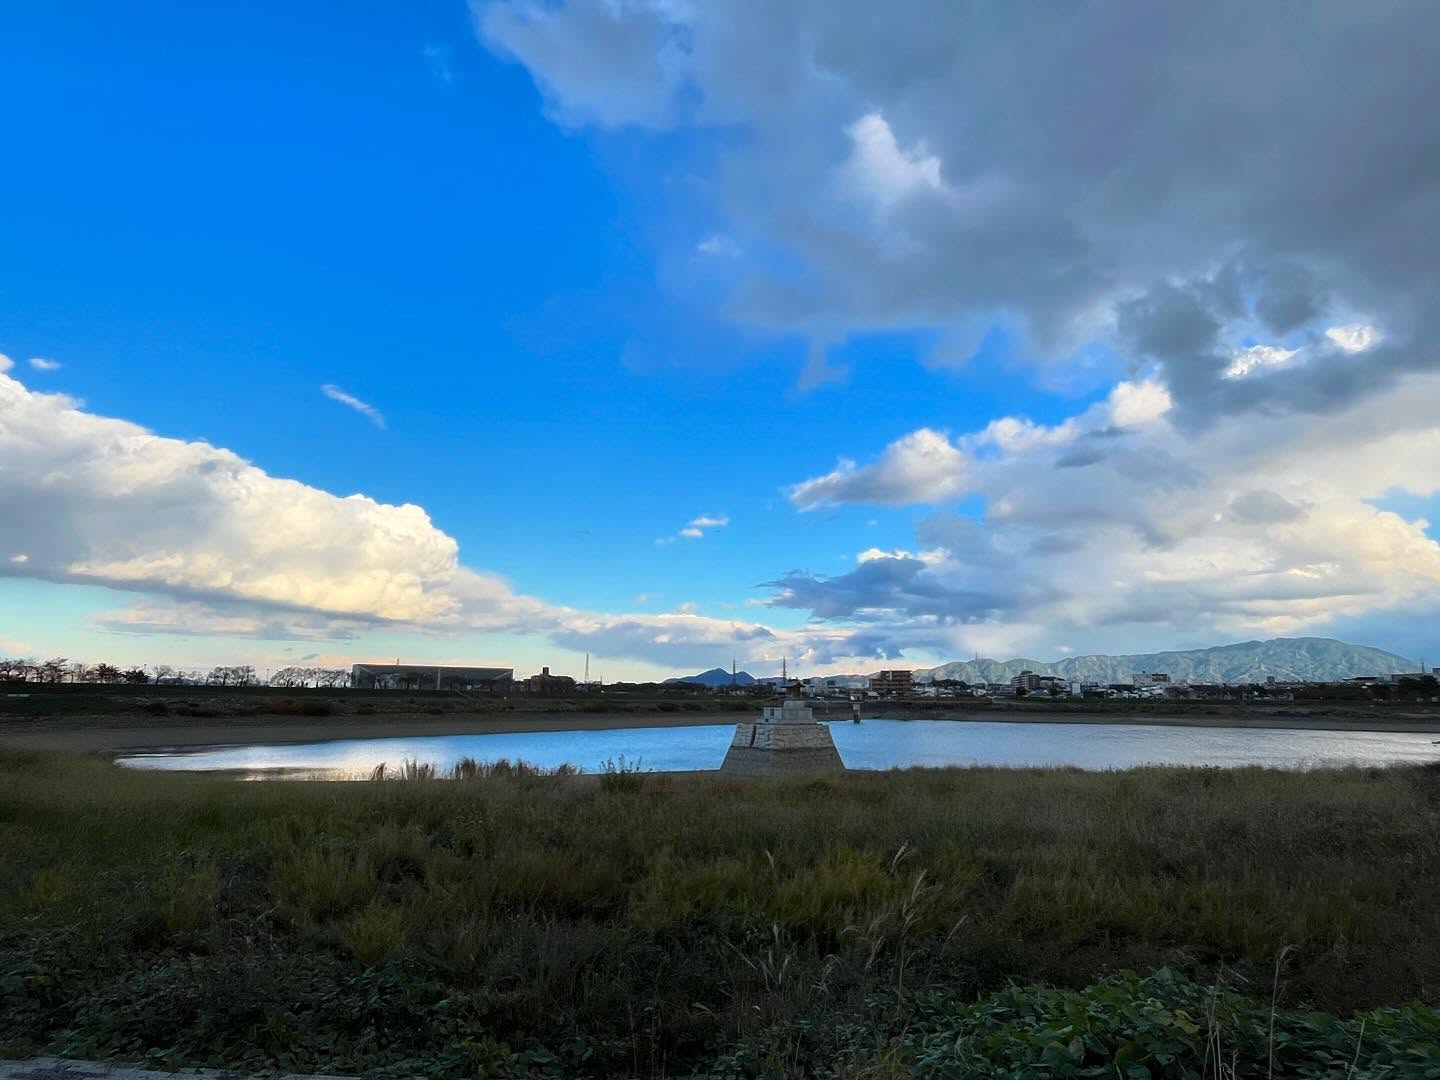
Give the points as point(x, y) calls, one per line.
point(584, 305)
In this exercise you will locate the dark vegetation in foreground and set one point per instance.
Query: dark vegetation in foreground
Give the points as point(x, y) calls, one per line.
point(871, 925)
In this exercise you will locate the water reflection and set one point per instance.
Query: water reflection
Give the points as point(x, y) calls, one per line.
point(876, 744)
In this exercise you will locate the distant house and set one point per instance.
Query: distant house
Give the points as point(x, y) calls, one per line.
point(821, 686)
point(891, 683)
point(1030, 682)
point(545, 683)
point(1150, 678)
point(430, 677)
point(1402, 676)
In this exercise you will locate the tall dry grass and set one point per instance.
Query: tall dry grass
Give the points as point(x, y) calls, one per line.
point(657, 919)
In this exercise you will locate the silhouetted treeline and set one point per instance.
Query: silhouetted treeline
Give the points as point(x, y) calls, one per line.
point(61, 669)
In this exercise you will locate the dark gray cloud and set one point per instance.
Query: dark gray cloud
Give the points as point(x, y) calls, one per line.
point(1205, 171)
point(965, 539)
point(884, 587)
point(1079, 457)
point(1288, 298)
point(1264, 508)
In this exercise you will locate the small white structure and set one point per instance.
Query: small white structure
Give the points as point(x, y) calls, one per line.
point(786, 741)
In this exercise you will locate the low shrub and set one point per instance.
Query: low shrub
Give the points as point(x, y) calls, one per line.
point(620, 775)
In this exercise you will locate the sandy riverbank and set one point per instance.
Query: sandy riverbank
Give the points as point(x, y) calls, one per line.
point(114, 734)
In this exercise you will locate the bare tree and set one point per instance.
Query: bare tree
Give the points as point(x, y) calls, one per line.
point(15, 670)
point(103, 673)
point(53, 670)
point(234, 675)
point(290, 677)
point(136, 676)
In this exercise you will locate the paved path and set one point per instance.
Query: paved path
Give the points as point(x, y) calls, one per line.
point(57, 1069)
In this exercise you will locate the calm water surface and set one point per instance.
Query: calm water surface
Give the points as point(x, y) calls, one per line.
point(875, 744)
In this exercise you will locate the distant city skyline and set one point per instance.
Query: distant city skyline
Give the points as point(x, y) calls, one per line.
point(500, 334)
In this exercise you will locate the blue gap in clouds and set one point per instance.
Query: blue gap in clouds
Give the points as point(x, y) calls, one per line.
point(1410, 507)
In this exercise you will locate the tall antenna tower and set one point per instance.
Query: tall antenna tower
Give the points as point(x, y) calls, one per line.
point(587, 669)
point(732, 671)
point(784, 675)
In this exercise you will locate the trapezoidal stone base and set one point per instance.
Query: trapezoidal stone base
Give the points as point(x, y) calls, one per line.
point(761, 749)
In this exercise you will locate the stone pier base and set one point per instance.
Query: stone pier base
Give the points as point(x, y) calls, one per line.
point(762, 749)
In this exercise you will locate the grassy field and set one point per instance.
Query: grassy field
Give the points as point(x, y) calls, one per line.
point(871, 925)
point(176, 704)
point(36, 700)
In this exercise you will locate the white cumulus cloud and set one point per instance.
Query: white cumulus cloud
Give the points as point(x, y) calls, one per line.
point(1258, 358)
point(99, 500)
point(881, 170)
point(1356, 337)
point(1133, 526)
point(922, 467)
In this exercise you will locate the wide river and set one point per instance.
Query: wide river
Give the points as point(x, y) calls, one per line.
point(875, 744)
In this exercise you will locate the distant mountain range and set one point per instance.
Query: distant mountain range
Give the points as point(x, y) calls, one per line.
point(1307, 659)
point(716, 677)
